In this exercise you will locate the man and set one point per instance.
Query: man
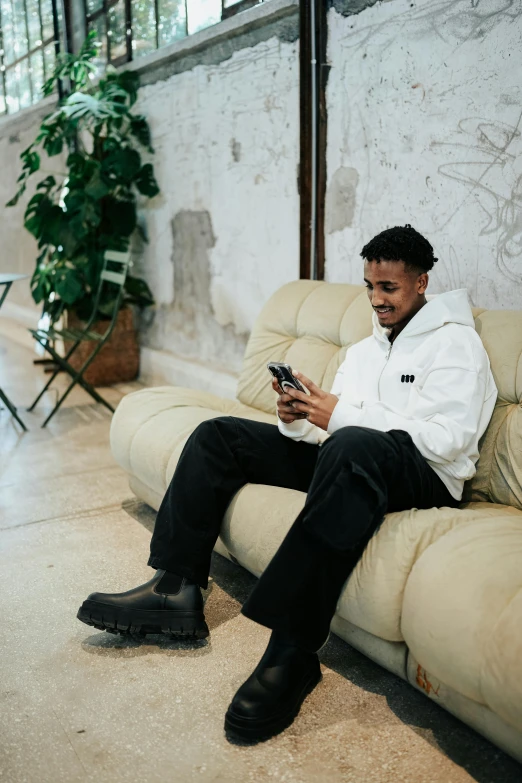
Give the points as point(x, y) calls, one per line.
point(404, 417)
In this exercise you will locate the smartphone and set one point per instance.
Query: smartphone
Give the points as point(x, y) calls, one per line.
point(283, 373)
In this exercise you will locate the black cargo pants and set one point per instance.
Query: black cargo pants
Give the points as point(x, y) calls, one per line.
point(352, 480)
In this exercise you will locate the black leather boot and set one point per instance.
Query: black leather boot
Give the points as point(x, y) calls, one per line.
point(165, 604)
point(270, 699)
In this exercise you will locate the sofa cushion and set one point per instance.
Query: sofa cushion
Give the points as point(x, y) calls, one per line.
point(151, 426)
point(308, 324)
point(480, 717)
point(148, 432)
point(373, 596)
point(499, 469)
point(462, 612)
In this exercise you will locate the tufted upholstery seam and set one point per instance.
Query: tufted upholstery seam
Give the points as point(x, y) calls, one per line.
point(345, 314)
point(493, 633)
point(138, 430)
point(517, 397)
point(151, 418)
point(414, 562)
point(305, 300)
point(490, 472)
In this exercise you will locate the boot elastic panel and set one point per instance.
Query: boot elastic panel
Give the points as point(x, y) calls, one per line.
point(170, 583)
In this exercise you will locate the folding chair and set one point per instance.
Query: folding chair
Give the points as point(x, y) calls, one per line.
point(47, 337)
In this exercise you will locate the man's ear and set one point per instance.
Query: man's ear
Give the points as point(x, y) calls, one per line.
point(422, 283)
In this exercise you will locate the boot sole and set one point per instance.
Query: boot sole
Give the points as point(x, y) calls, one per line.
point(181, 624)
point(252, 730)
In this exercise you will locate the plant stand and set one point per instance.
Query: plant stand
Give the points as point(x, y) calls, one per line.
point(118, 360)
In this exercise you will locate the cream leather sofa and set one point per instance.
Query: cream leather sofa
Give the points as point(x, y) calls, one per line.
point(437, 596)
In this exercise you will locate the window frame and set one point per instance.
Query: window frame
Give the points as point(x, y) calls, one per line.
point(5, 67)
point(232, 10)
point(103, 11)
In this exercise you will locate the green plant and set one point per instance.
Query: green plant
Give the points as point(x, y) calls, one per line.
point(91, 207)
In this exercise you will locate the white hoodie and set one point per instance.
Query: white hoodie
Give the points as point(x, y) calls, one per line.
point(447, 406)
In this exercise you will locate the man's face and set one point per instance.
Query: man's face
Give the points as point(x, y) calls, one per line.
point(395, 292)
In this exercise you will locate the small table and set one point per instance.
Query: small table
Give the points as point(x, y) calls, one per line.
point(7, 280)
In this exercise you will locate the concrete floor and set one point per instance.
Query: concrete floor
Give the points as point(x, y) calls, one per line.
point(79, 705)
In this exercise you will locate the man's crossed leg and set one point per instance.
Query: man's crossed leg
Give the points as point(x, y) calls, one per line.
point(353, 479)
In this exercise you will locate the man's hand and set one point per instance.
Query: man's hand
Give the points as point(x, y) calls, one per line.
point(317, 407)
point(285, 409)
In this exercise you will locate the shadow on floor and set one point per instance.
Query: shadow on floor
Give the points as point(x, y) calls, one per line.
point(482, 760)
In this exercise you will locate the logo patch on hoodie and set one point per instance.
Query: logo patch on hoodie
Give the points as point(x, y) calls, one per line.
point(407, 378)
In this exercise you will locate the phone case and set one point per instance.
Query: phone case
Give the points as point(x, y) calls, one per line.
point(283, 373)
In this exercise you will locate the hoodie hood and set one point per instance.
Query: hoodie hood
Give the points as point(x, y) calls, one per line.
point(440, 309)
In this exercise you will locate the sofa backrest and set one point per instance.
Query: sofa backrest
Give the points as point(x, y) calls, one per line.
point(311, 324)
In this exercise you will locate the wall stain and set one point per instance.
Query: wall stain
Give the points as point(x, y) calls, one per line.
point(341, 196)
point(351, 7)
point(187, 326)
point(424, 683)
point(235, 146)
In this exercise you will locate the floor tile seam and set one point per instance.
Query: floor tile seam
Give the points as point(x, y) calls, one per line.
point(85, 513)
point(69, 740)
point(105, 469)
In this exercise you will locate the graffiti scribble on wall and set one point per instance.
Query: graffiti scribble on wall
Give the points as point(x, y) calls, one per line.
point(487, 162)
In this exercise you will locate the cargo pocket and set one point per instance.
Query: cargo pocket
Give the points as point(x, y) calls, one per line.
point(350, 512)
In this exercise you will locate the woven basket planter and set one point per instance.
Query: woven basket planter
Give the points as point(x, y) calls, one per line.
point(118, 360)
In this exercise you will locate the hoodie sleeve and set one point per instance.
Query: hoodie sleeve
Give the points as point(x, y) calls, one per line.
point(443, 415)
point(301, 429)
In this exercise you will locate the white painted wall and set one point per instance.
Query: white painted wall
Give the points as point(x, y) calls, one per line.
point(424, 127)
point(424, 105)
point(226, 139)
point(18, 248)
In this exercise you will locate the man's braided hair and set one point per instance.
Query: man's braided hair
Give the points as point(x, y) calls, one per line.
point(401, 243)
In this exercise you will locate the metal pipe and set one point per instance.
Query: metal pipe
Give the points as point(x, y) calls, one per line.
point(313, 217)
point(56, 32)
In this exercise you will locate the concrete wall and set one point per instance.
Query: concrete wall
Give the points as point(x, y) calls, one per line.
point(19, 250)
point(224, 233)
point(223, 107)
point(424, 104)
point(424, 127)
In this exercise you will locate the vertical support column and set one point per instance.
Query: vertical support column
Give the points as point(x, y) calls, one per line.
point(323, 74)
point(75, 24)
point(128, 31)
point(313, 36)
point(2, 66)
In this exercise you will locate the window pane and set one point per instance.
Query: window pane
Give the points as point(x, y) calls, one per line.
point(11, 86)
point(8, 31)
point(202, 13)
point(101, 37)
point(117, 31)
point(50, 60)
point(33, 18)
point(37, 74)
point(143, 27)
point(172, 20)
point(47, 19)
point(21, 44)
point(93, 5)
point(24, 84)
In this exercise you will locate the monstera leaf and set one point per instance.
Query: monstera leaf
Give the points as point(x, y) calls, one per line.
point(146, 182)
point(76, 217)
